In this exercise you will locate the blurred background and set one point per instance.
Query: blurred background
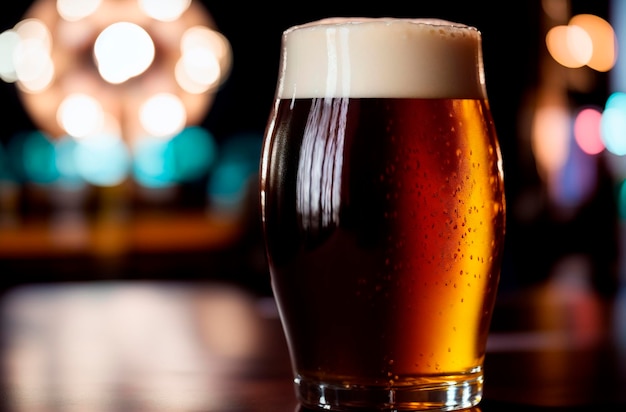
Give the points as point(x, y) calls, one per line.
point(147, 170)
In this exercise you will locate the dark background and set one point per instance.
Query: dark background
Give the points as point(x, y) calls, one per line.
point(513, 43)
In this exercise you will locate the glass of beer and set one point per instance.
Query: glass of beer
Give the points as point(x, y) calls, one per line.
point(383, 211)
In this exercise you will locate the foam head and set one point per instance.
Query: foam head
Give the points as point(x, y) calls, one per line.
point(381, 57)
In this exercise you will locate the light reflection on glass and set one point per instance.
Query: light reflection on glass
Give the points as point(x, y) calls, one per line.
point(320, 164)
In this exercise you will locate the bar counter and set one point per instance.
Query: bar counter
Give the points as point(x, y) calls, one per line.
point(164, 346)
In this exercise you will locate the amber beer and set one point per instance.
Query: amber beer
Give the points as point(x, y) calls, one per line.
point(384, 220)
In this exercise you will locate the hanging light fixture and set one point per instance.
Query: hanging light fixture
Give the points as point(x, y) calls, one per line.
point(121, 53)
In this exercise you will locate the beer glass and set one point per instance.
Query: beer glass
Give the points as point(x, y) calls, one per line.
point(383, 212)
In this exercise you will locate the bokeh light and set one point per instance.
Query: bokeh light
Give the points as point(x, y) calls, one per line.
point(122, 51)
point(586, 40)
point(237, 164)
point(587, 130)
point(149, 164)
point(73, 61)
point(603, 38)
point(186, 157)
point(561, 42)
point(164, 10)
point(9, 40)
point(80, 115)
point(31, 58)
point(192, 153)
point(102, 159)
point(205, 60)
point(575, 182)
point(621, 200)
point(613, 124)
point(66, 163)
point(163, 114)
point(550, 138)
point(32, 157)
point(74, 10)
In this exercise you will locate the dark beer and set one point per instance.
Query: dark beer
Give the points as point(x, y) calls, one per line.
point(384, 221)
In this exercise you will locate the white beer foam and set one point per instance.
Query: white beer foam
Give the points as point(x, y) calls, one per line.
point(381, 57)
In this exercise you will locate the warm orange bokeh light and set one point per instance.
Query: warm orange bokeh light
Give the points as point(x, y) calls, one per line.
point(550, 140)
point(570, 46)
point(586, 40)
point(603, 38)
point(121, 53)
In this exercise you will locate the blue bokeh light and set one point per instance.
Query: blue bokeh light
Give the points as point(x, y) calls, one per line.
point(102, 160)
point(187, 157)
point(66, 163)
point(238, 163)
point(613, 124)
point(32, 157)
point(191, 153)
point(149, 167)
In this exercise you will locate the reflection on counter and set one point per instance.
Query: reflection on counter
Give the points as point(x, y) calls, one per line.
point(138, 347)
point(211, 346)
point(568, 337)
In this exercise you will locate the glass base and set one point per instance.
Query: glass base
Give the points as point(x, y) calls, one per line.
point(445, 393)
